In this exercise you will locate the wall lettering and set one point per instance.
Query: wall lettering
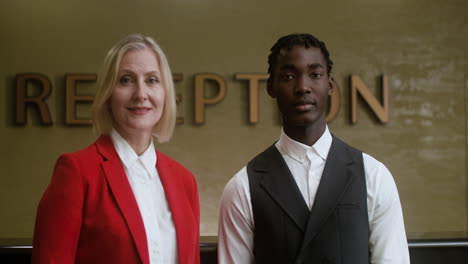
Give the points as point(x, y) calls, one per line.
point(25, 81)
point(254, 79)
point(358, 86)
point(71, 98)
point(200, 100)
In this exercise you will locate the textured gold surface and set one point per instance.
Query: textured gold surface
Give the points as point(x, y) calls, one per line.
point(419, 44)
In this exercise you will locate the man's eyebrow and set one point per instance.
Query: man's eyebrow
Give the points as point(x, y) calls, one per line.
point(310, 66)
point(287, 67)
point(315, 66)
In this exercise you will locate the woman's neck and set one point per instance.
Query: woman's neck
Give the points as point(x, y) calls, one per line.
point(139, 141)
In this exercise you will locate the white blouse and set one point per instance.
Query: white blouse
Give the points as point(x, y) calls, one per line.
point(151, 199)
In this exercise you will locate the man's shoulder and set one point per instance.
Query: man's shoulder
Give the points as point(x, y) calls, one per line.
point(372, 166)
point(262, 159)
point(236, 187)
point(370, 160)
point(240, 180)
point(337, 142)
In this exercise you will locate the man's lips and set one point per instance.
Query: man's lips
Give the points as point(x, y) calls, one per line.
point(304, 105)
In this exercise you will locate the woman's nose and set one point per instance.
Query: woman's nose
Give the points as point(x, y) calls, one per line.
point(140, 90)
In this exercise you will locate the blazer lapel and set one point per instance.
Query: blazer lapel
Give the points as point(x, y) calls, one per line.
point(123, 194)
point(174, 190)
point(278, 182)
point(336, 178)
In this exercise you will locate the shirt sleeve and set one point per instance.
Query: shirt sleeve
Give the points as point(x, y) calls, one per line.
point(236, 227)
point(387, 241)
point(59, 215)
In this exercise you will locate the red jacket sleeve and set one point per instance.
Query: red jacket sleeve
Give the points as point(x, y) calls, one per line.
point(196, 213)
point(59, 215)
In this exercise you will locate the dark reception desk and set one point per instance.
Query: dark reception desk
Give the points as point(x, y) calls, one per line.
point(425, 248)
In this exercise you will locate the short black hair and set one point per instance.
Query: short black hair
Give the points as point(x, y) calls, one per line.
point(305, 40)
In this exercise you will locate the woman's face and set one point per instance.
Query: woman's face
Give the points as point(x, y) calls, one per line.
point(137, 100)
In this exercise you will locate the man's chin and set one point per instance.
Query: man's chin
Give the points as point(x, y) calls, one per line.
point(304, 121)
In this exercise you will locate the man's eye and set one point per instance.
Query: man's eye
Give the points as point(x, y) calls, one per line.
point(317, 75)
point(288, 77)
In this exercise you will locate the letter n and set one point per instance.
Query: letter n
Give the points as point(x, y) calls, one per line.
point(380, 110)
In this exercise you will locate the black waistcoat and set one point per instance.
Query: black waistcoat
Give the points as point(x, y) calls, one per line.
point(336, 230)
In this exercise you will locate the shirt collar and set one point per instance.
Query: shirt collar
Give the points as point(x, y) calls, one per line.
point(298, 151)
point(323, 144)
point(128, 156)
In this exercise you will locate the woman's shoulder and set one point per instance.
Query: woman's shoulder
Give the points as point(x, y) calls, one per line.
point(168, 162)
point(88, 153)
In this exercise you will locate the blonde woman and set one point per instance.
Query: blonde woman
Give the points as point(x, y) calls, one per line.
point(120, 200)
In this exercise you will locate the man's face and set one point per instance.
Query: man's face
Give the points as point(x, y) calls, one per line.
point(301, 86)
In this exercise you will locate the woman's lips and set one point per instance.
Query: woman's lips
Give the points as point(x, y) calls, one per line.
point(139, 110)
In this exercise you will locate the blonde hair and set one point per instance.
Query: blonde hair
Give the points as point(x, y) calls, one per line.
point(107, 78)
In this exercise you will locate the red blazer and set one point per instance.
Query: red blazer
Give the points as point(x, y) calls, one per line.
point(88, 214)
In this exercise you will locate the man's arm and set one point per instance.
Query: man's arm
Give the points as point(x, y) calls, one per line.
point(388, 242)
point(235, 232)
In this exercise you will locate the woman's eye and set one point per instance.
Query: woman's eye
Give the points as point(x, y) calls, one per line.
point(126, 80)
point(153, 80)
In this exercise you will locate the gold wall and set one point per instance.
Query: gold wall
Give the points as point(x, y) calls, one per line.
point(419, 44)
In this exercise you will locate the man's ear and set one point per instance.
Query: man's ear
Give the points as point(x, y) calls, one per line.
point(270, 89)
point(331, 84)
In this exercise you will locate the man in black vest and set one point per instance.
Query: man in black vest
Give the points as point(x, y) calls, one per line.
point(310, 197)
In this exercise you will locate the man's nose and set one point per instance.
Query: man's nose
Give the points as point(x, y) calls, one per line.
point(303, 85)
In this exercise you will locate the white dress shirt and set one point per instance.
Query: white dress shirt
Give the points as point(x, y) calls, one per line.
point(387, 241)
point(151, 199)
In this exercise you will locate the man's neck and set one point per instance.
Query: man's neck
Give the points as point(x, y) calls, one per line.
point(306, 135)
